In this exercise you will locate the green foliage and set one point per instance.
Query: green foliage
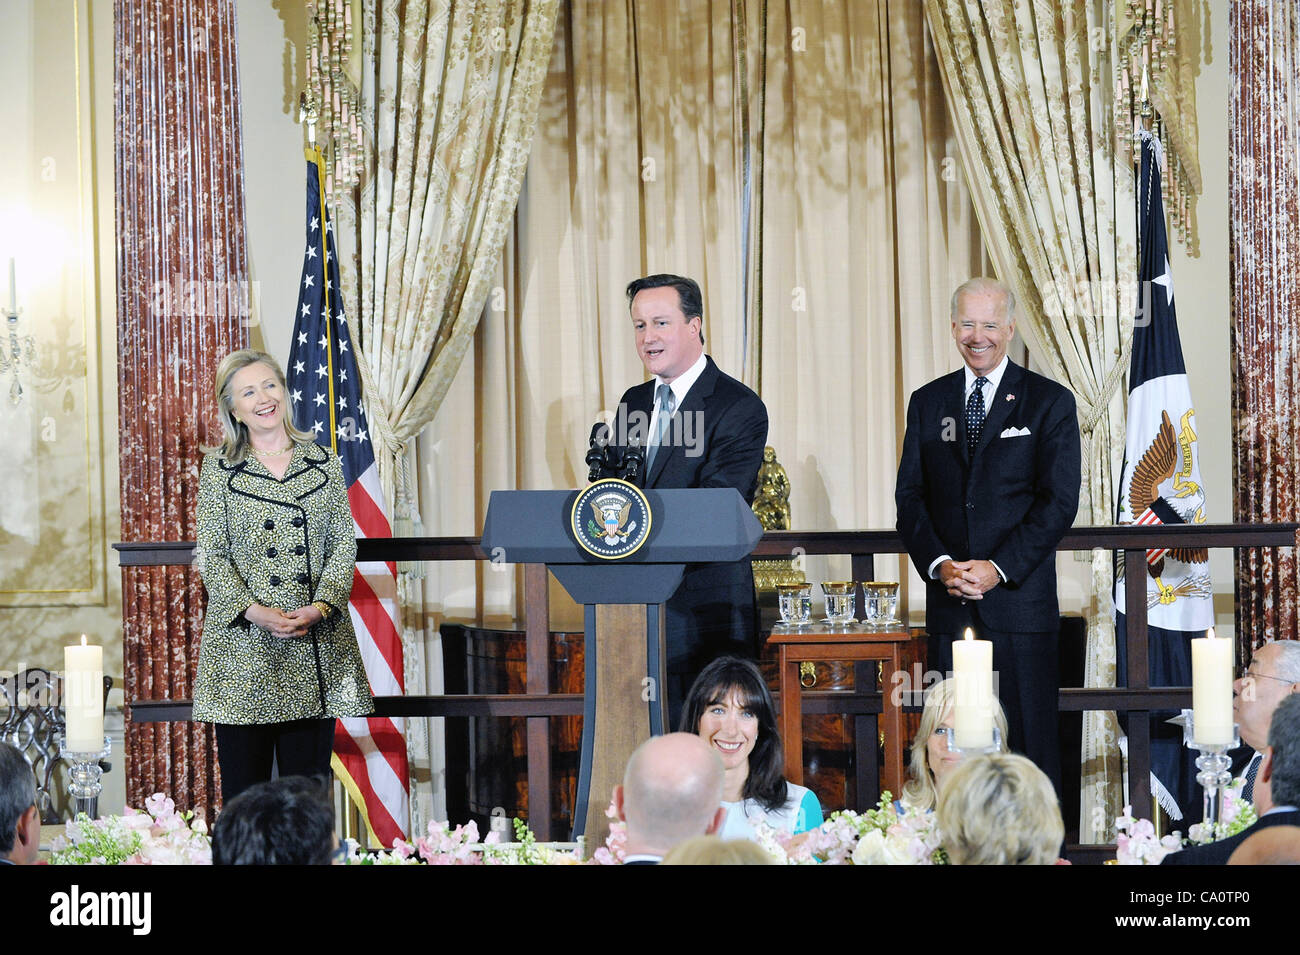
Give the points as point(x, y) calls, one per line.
point(99, 842)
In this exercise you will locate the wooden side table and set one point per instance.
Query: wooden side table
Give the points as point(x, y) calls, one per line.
point(821, 642)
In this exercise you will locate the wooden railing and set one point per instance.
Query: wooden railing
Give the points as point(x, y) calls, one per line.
point(538, 705)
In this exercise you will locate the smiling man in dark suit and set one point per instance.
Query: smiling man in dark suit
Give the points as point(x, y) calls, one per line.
point(987, 485)
point(701, 429)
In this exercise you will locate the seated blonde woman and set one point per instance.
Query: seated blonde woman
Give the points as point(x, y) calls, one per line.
point(999, 809)
point(930, 760)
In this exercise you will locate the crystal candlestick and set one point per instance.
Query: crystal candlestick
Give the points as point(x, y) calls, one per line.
point(85, 773)
point(1213, 764)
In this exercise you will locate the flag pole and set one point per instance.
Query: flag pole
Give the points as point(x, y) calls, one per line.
point(319, 159)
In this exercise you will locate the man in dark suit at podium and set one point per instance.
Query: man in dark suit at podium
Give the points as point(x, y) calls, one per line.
point(703, 429)
point(987, 485)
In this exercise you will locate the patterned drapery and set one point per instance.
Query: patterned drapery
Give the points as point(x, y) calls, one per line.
point(180, 309)
point(448, 94)
point(1030, 89)
point(1163, 38)
point(1264, 186)
point(449, 90)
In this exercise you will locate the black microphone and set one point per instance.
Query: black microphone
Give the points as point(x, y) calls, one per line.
point(633, 462)
point(598, 450)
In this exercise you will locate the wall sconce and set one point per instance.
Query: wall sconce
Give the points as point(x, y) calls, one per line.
point(19, 350)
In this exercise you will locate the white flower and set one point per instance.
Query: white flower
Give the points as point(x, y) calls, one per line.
point(870, 849)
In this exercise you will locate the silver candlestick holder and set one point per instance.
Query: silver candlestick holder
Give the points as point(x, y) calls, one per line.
point(85, 773)
point(996, 747)
point(1213, 764)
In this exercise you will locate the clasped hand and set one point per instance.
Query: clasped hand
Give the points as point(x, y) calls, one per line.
point(969, 579)
point(284, 624)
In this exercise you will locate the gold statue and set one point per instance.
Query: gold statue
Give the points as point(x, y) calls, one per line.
point(772, 507)
point(772, 501)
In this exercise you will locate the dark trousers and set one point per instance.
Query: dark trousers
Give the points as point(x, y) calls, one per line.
point(248, 751)
point(1026, 679)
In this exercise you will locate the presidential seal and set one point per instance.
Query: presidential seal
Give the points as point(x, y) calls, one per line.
point(610, 519)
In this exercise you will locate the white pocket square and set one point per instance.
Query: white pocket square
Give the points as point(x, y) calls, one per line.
point(1014, 433)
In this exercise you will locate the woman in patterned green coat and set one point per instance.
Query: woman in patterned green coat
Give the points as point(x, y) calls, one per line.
point(279, 660)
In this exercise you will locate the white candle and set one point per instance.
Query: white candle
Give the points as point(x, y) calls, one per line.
point(13, 289)
point(1212, 690)
point(83, 695)
point(972, 712)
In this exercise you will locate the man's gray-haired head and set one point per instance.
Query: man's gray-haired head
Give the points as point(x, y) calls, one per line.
point(17, 793)
point(1286, 660)
point(981, 285)
point(1284, 738)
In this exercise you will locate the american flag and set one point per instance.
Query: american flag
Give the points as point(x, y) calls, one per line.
point(325, 392)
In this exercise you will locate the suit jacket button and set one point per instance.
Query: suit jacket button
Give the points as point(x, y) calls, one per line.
point(302, 578)
point(275, 581)
point(269, 525)
point(300, 550)
point(297, 522)
point(271, 552)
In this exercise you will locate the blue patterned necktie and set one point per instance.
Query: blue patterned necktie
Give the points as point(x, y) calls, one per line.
point(1248, 790)
point(667, 404)
point(975, 414)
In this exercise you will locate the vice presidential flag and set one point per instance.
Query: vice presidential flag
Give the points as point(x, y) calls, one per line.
point(325, 393)
point(1161, 484)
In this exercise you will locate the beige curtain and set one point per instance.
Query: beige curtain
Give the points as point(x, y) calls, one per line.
point(866, 227)
point(1030, 89)
point(449, 93)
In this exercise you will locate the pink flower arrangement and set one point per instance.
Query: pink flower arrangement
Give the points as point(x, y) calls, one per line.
point(1136, 842)
point(157, 836)
point(880, 836)
point(614, 851)
point(443, 846)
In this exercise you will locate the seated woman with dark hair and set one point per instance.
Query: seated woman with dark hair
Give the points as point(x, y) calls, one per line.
point(931, 762)
point(729, 705)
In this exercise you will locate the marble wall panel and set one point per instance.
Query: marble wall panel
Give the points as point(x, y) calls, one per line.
point(1264, 179)
point(181, 243)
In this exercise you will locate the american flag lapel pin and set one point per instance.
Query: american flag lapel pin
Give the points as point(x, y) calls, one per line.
point(1011, 397)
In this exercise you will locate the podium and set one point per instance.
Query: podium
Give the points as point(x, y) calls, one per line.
point(623, 611)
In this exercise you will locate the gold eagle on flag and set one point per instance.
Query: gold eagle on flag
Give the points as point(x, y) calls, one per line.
point(1157, 465)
